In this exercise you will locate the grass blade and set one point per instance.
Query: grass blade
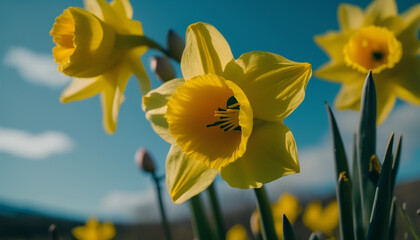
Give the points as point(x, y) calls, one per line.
point(366, 146)
point(379, 222)
point(288, 233)
point(345, 205)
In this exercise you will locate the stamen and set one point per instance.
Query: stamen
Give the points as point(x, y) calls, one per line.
point(228, 117)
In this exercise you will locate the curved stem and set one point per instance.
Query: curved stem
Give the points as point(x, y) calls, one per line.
point(165, 224)
point(215, 207)
point(132, 41)
point(264, 208)
point(201, 226)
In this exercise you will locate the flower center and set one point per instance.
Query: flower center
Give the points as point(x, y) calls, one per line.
point(372, 48)
point(228, 117)
point(63, 36)
point(211, 120)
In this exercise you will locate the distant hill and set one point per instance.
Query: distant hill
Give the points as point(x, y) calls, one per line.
point(18, 223)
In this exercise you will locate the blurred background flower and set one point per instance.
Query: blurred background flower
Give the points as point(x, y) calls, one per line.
point(56, 160)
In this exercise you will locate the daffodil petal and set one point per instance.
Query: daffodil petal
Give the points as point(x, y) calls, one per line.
point(412, 14)
point(333, 44)
point(139, 71)
point(113, 95)
point(378, 10)
point(81, 88)
point(385, 98)
point(206, 51)
point(107, 230)
point(349, 96)
point(123, 8)
point(408, 84)
point(350, 16)
point(339, 72)
point(186, 177)
point(271, 154)
point(274, 85)
point(154, 105)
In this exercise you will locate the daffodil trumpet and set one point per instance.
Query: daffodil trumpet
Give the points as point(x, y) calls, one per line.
point(101, 47)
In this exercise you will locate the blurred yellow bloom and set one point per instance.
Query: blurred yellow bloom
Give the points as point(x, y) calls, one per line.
point(97, 46)
point(376, 39)
point(237, 232)
point(93, 230)
point(287, 204)
point(318, 219)
point(227, 115)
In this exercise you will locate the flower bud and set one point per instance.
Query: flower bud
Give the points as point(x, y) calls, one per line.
point(163, 68)
point(144, 161)
point(85, 45)
point(176, 45)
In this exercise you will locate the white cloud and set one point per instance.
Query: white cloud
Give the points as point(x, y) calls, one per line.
point(35, 67)
point(315, 179)
point(34, 146)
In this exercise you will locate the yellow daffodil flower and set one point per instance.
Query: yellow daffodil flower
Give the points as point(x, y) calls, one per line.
point(237, 232)
point(100, 48)
point(226, 115)
point(286, 204)
point(93, 230)
point(318, 219)
point(376, 39)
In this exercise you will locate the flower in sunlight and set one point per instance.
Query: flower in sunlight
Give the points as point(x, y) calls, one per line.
point(100, 48)
point(237, 232)
point(318, 219)
point(287, 204)
point(376, 39)
point(226, 115)
point(93, 230)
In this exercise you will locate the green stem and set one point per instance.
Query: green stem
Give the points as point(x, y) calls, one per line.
point(132, 41)
point(165, 224)
point(200, 224)
point(264, 207)
point(215, 207)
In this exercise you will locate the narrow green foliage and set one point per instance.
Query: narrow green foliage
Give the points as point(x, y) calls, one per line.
point(314, 236)
point(408, 222)
point(379, 222)
point(366, 146)
point(391, 235)
point(345, 205)
point(217, 214)
point(344, 195)
point(266, 216)
point(338, 147)
point(201, 226)
point(288, 233)
point(357, 204)
point(396, 163)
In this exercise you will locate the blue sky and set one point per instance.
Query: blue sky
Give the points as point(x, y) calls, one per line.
point(57, 157)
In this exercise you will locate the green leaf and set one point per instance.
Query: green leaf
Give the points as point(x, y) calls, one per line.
point(379, 222)
point(366, 146)
point(408, 222)
point(339, 151)
point(357, 204)
point(314, 236)
point(345, 205)
point(396, 163)
point(288, 233)
point(201, 226)
point(392, 216)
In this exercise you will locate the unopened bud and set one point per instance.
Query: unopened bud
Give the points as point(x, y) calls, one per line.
point(163, 68)
point(418, 212)
point(52, 232)
point(144, 161)
point(176, 45)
